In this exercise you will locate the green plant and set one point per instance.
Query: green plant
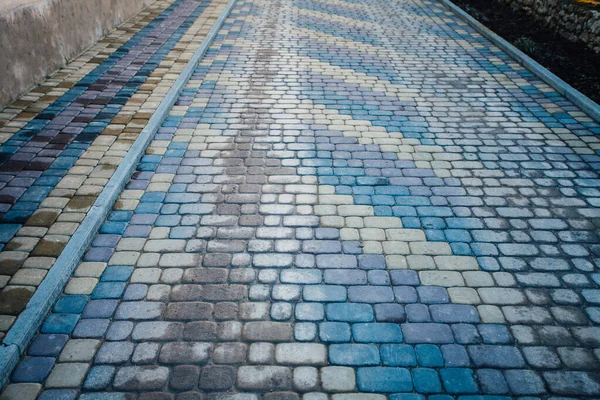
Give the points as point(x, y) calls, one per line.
point(526, 45)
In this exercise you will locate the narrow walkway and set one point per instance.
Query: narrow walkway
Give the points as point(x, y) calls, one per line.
point(351, 199)
point(62, 142)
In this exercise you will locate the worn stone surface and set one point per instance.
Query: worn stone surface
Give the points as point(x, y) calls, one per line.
point(349, 200)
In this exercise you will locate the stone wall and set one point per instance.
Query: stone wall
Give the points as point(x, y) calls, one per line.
point(38, 38)
point(574, 21)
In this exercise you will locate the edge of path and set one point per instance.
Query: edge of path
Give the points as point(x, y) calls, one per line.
point(576, 97)
point(29, 321)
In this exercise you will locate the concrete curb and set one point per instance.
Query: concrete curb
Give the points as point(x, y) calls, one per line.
point(29, 321)
point(562, 87)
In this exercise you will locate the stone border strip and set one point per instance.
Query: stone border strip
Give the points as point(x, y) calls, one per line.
point(579, 99)
point(29, 321)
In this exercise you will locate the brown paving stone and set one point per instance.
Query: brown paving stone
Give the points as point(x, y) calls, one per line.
point(14, 299)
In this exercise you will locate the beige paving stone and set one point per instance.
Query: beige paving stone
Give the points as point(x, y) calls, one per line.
point(441, 278)
point(67, 375)
point(81, 285)
point(21, 391)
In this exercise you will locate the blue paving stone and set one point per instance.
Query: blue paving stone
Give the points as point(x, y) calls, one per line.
point(495, 334)
point(33, 369)
point(70, 304)
point(99, 309)
point(104, 396)
point(60, 323)
point(47, 345)
point(496, 356)
point(342, 261)
point(116, 274)
point(389, 312)
point(119, 330)
point(349, 312)
point(406, 396)
point(429, 355)
point(433, 294)
point(7, 231)
point(113, 228)
point(405, 294)
point(353, 354)
point(398, 355)
point(371, 261)
point(458, 380)
point(153, 197)
point(108, 290)
point(466, 334)
point(377, 332)
point(455, 355)
point(404, 278)
point(454, 313)
point(426, 380)
point(492, 381)
point(325, 293)
point(379, 277)
point(383, 379)
point(417, 313)
point(99, 377)
point(135, 291)
point(58, 394)
point(427, 333)
point(524, 382)
point(334, 332)
point(91, 328)
point(370, 294)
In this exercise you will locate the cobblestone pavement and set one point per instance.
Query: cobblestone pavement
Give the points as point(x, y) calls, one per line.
point(351, 199)
point(62, 142)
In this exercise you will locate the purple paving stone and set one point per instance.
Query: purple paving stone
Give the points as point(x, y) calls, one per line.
point(101, 254)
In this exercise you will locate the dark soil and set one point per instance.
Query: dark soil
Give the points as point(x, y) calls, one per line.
point(572, 62)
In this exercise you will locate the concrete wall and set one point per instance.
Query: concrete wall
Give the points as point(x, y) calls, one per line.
point(38, 38)
point(575, 21)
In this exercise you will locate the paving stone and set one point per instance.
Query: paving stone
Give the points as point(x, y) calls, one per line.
point(383, 379)
point(216, 378)
point(524, 382)
point(264, 378)
point(436, 240)
point(23, 391)
point(301, 354)
point(496, 356)
point(267, 331)
point(67, 375)
point(99, 377)
point(338, 379)
point(33, 369)
point(184, 352)
point(306, 379)
point(353, 354)
point(141, 378)
point(79, 350)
